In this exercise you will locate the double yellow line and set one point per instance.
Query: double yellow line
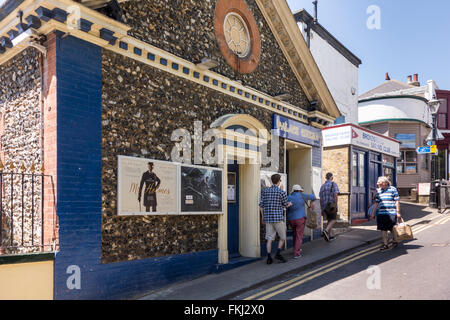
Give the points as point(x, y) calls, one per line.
point(439, 221)
point(292, 283)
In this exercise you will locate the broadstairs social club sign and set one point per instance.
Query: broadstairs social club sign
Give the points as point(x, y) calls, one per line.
point(357, 136)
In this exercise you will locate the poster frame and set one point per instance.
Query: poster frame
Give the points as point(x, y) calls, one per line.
point(234, 183)
point(179, 191)
point(177, 188)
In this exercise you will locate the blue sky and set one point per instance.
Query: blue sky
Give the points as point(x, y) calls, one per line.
point(414, 37)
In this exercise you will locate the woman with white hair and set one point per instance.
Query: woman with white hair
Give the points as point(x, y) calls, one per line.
point(388, 205)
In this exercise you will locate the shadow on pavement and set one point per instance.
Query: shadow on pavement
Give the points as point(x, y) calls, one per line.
point(345, 271)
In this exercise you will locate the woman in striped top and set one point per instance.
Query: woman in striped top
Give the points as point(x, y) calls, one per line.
point(388, 205)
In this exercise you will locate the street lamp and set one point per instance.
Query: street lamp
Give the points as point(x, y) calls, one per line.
point(434, 107)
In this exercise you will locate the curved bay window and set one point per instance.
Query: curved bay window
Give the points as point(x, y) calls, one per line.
point(407, 163)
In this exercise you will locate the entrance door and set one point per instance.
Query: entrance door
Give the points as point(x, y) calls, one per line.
point(359, 203)
point(375, 165)
point(233, 214)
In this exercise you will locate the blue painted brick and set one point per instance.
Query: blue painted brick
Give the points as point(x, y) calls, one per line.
point(79, 193)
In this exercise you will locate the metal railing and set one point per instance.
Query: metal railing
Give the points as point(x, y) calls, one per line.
point(22, 211)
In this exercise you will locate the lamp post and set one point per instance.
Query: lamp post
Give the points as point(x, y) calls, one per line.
point(434, 107)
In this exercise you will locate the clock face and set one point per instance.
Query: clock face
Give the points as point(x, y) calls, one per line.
point(237, 35)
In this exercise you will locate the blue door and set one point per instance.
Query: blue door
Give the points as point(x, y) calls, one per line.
point(233, 213)
point(375, 165)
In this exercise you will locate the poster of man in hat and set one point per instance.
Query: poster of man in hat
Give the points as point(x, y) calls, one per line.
point(146, 186)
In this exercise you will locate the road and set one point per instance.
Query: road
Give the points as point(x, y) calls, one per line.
point(416, 269)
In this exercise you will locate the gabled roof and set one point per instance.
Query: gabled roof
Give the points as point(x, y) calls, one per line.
point(284, 27)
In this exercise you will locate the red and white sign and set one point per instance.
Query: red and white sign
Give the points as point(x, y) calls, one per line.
point(349, 134)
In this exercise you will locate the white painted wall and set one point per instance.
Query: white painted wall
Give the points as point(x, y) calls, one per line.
point(339, 74)
point(394, 108)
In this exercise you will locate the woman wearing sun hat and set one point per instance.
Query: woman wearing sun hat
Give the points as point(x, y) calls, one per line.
point(297, 217)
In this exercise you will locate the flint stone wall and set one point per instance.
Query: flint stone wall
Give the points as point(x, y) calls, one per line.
point(139, 114)
point(186, 29)
point(20, 144)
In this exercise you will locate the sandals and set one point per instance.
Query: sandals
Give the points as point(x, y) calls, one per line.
point(384, 247)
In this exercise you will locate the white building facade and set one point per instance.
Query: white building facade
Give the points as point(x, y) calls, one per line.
point(401, 111)
point(339, 66)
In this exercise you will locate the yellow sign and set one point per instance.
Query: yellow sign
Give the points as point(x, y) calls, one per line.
point(433, 149)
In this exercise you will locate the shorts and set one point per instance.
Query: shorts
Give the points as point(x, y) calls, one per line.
point(276, 227)
point(386, 222)
point(330, 216)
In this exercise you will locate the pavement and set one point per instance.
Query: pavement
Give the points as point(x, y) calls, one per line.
point(231, 283)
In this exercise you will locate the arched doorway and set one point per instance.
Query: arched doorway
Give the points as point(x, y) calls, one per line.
point(239, 227)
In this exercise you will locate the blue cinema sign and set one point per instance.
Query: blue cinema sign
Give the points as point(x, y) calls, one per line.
point(296, 131)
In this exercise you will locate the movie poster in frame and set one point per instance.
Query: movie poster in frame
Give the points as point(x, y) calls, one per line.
point(200, 190)
point(146, 186)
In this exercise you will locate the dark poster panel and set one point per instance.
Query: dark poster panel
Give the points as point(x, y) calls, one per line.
point(201, 189)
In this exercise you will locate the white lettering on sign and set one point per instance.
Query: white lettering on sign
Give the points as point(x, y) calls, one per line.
point(286, 128)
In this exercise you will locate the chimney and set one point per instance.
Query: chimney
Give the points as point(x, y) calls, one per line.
point(416, 80)
point(409, 79)
point(315, 11)
point(387, 76)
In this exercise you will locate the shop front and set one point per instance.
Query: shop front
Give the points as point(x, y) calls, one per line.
point(157, 137)
point(303, 155)
point(357, 157)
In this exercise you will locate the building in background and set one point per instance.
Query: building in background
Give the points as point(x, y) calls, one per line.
point(401, 111)
point(357, 157)
point(443, 125)
point(338, 65)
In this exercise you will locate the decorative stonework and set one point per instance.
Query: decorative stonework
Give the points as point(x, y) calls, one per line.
point(140, 123)
point(20, 146)
point(157, 23)
point(237, 35)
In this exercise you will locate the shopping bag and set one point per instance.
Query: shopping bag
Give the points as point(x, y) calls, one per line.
point(311, 216)
point(311, 219)
point(402, 231)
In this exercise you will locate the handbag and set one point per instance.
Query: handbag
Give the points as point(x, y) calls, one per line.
point(311, 216)
point(402, 231)
point(331, 207)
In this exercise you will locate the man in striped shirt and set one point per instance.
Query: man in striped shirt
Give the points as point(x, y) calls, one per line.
point(272, 205)
point(388, 205)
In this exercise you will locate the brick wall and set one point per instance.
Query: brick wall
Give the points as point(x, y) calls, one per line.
point(337, 161)
point(49, 109)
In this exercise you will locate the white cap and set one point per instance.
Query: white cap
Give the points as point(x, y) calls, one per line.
point(297, 187)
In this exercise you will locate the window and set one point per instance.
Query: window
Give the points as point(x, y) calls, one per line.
point(442, 115)
point(355, 170)
point(358, 169)
point(407, 163)
point(361, 170)
point(442, 121)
